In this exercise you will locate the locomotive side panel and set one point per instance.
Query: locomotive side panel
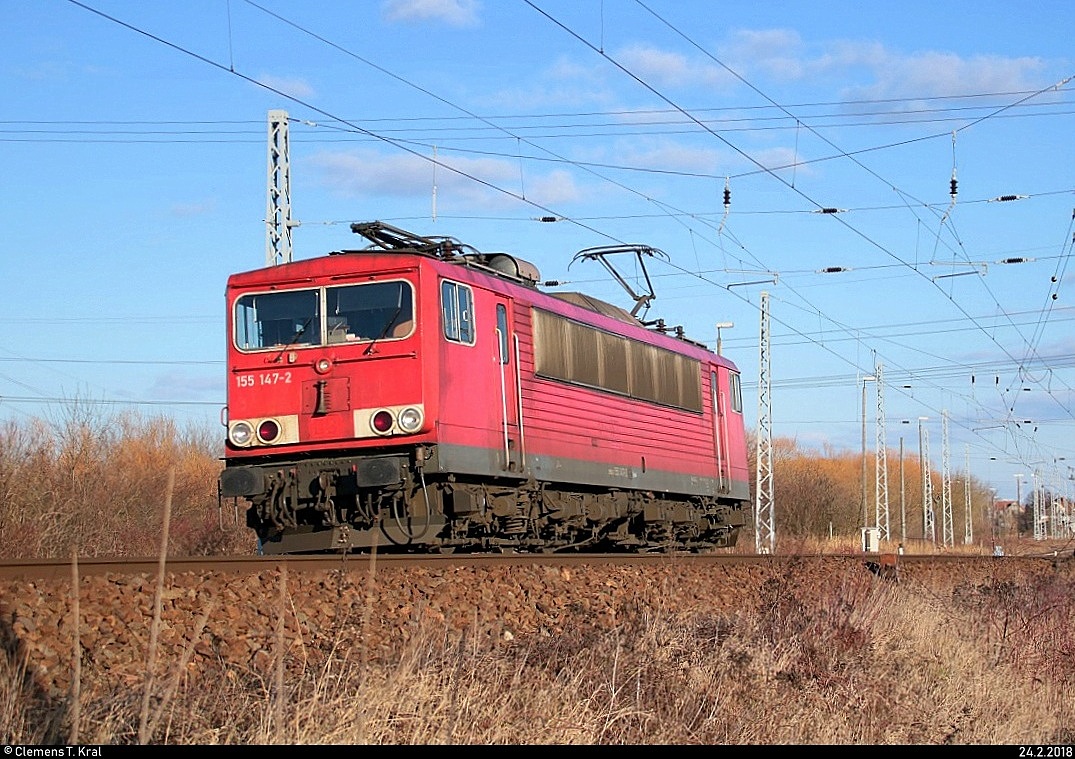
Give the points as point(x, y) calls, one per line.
point(569, 432)
point(467, 319)
point(729, 431)
point(609, 437)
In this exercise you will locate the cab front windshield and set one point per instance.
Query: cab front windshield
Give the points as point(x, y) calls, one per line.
point(324, 315)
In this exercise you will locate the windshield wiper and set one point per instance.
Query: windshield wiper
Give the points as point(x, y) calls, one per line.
point(293, 339)
point(384, 331)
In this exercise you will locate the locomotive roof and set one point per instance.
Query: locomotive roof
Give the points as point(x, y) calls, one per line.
point(596, 305)
point(600, 306)
point(385, 238)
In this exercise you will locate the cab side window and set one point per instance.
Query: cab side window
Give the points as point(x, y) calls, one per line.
point(502, 331)
point(457, 310)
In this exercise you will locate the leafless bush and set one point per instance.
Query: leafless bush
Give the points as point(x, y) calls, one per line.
point(1032, 627)
point(96, 482)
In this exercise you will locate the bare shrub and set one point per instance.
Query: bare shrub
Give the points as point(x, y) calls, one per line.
point(1032, 627)
point(95, 482)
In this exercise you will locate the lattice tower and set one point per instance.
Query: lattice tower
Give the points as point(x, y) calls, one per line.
point(764, 520)
point(881, 515)
point(946, 485)
point(278, 222)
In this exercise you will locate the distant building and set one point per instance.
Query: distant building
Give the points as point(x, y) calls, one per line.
point(1006, 517)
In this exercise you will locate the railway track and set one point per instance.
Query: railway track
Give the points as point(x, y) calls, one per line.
point(885, 564)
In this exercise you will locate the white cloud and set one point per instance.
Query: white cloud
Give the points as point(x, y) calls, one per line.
point(777, 158)
point(565, 83)
point(880, 72)
point(451, 12)
point(552, 188)
point(766, 56)
point(477, 182)
point(193, 208)
point(45, 71)
point(778, 53)
point(293, 86)
point(673, 157)
point(940, 73)
point(182, 386)
point(368, 173)
point(660, 68)
point(718, 162)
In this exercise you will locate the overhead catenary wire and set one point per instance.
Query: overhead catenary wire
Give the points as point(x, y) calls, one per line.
point(790, 185)
point(722, 229)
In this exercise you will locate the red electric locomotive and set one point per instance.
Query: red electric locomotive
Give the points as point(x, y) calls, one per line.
point(417, 395)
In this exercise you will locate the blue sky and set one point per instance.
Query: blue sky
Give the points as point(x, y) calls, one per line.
point(134, 181)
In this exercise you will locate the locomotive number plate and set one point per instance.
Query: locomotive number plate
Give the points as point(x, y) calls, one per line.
point(265, 378)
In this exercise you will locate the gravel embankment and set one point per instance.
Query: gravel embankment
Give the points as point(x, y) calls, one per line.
point(208, 619)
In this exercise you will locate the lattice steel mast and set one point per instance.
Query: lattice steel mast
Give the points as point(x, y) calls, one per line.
point(1040, 532)
point(968, 527)
point(929, 525)
point(764, 523)
point(946, 485)
point(881, 516)
point(278, 222)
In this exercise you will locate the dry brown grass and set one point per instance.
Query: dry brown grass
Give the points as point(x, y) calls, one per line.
point(859, 662)
point(95, 482)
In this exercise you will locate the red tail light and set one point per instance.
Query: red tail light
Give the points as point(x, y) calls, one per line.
point(382, 422)
point(268, 431)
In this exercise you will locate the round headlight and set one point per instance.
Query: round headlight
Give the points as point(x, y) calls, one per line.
point(382, 422)
point(322, 365)
point(410, 419)
point(241, 434)
point(268, 431)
